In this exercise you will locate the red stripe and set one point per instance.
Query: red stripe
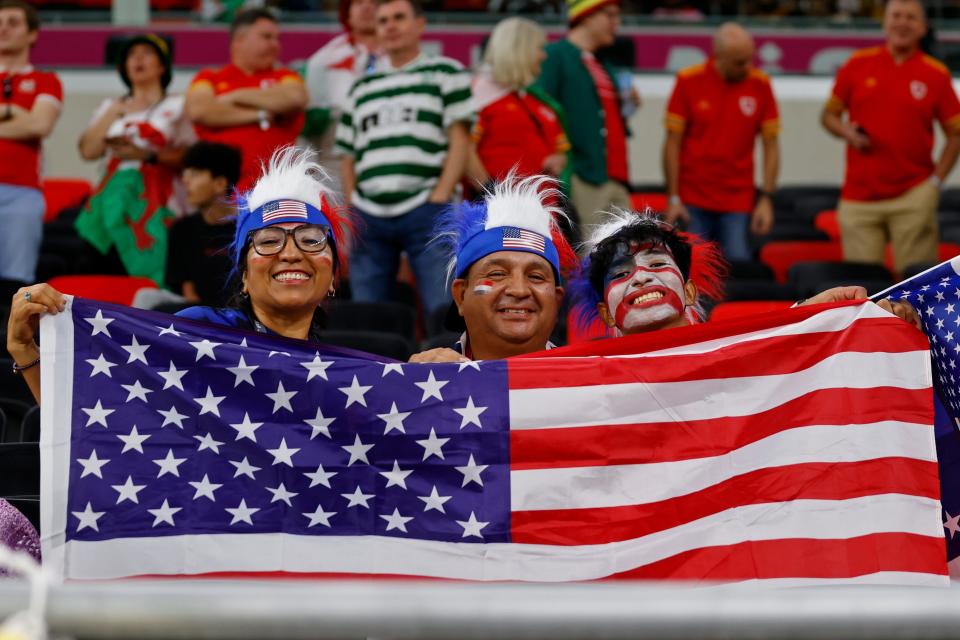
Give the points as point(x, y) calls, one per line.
point(666, 441)
point(768, 356)
point(813, 481)
point(801, 558)
point(665, 339)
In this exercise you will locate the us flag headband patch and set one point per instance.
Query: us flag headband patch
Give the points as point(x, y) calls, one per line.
point(283, 209)
point(514, 238)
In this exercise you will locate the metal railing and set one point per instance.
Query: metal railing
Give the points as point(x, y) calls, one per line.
point(410, 609)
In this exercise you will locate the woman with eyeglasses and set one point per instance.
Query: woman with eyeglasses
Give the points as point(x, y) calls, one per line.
point(288, 249)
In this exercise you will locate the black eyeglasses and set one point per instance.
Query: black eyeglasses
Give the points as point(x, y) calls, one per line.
point(309, 238)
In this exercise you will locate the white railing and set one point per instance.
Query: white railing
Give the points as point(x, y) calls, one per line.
point(409, 609)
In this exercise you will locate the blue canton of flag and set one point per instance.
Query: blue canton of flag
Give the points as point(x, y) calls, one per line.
point(935, 294)
point(175, 435)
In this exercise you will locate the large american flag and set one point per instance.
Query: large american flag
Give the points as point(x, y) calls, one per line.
point(935, 294)
point(795, 448)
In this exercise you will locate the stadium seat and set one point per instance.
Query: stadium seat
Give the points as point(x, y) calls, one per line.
point(749, 270)
point(21, 469)
point(386, 317)
point(64, 193)
point(116, 289)
point(14, 412)
point(12, 386)
point(390, 345)
point(440, 340)
point(780, 256)
point(826, 221)
point(917, 268)
point(655, 200)
point(812, 277)
point(728, 310)
point(735, 290)
point(30, 427)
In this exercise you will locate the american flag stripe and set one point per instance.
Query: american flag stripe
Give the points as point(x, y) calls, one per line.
point(813, 481)
point(904, 516)
point(284, 209)
point(630, 443)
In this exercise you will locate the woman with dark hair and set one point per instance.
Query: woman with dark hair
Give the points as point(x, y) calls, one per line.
point(142, 136)
point(288, 248)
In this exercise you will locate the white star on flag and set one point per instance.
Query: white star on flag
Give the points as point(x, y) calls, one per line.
point(92, 465)
point(394, 419)
point(397, 521)
point(434, 501)
point(396, 477)
point(97, 414)
point(316, 367)
point(133, 441)
point(205, 349)
point(100, 365)
point(136, 350)
point(392, 367)
point(281, 493)
point(99, 324)
point(164, 514)
point(172, 416)
point(320, 424)
point(88, 517)
point(320, 477)
point(320, 516)
point(244, 468)
point(136, 390)
point(357, 451)
point(432, 445)
point(242, 513)
point(210, 403)
point(282, 454)
point(169, 330)
point(204, 488)
point(355, 392)
point(281, 398)
point(128, 490)
point(246, 429)
point(358, 498)
point(471, 472)
point(172, 377)
point(207, 442)
point(470, 414)
point(472, 527)
point(431, 388)
point(243, 373)
point(169, 464)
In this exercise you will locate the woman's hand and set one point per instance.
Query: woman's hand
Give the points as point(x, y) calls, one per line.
point(24, 319)
point(903, 310)
point(125, 150)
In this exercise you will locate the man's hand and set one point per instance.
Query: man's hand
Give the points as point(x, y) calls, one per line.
point(677, 213)
point(443, 354)
point(836, 294)
point(855, 137)
point(125, 150)
point(762, 219)
point(903, 310)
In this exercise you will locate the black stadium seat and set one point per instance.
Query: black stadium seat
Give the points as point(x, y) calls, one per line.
point(20, 463)
point(30, 427)
point(738, 290)
point(12, 385)
point(390, 345)
point(385, 317)
point(812, 277)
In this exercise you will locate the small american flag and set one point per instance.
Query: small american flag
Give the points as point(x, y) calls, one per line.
point(514, 238)
point(935, 294)
point(794, 448)
point(284, 209)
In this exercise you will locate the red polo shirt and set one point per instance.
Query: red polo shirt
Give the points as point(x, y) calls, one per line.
point(20, 159)
point(518, 130)
point(256, 144)
point(720, 121)
point(896, 105)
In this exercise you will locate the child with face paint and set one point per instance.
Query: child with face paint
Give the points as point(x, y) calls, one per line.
point(641, 274)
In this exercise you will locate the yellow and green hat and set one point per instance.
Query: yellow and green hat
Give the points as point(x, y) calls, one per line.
point(577, 10)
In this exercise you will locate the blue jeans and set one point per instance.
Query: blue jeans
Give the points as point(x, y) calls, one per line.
point(21, 219)
point(726, 228)
point(376, 256)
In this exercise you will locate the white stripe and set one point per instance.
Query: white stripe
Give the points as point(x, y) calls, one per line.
point(903, 578)
point(630, 484)
point(500, 561)
point(406, 154)
point(710, 399)
point(56, 374)
point(420, 130)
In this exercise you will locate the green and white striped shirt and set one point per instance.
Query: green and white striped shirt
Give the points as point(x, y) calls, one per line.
point(395, 127)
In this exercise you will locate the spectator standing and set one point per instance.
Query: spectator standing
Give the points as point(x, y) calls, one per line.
point(29, 107)
point(586, 90)
point(250, 104)
point(518, 126)
point(198, 262)
point(892, 94)
point(405, 138)
point(333, 69)
point(714, 115)
point(142, 135)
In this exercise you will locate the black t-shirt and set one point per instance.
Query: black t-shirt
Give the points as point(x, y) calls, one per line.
point(198, 252)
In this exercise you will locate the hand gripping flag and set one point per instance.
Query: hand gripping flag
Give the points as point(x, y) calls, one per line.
point(796, 448)
point(935, 294)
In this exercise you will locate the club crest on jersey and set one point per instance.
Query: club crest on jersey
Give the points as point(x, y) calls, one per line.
point(918, 90)
point(28, 85)
point(748, 105)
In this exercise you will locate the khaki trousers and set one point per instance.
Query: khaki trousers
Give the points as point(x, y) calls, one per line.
point(591, 200)
point(908, 222)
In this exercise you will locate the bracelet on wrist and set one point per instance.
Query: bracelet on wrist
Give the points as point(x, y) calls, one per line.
point(674, 199)
point(19, 369)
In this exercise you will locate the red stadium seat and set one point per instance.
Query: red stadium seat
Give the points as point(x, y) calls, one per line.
point(64, 193)
point(728, 310)
point(779, 256)
point(116, 289)
point(655, 200)
point(826, 221)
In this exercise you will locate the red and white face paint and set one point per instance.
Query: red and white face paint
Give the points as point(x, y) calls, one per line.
point(644, 289)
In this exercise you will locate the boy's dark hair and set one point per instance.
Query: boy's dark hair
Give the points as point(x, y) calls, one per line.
point(248, 17)
point(416, 5)
point(29, 12)
point(641, 231)
point(220, 160)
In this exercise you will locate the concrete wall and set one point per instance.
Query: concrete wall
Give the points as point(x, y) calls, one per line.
point(809, 155)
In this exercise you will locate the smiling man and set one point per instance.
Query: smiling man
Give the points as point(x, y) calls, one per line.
point(507, 256)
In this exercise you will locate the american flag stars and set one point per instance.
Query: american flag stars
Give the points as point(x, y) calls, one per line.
point(234, 432)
